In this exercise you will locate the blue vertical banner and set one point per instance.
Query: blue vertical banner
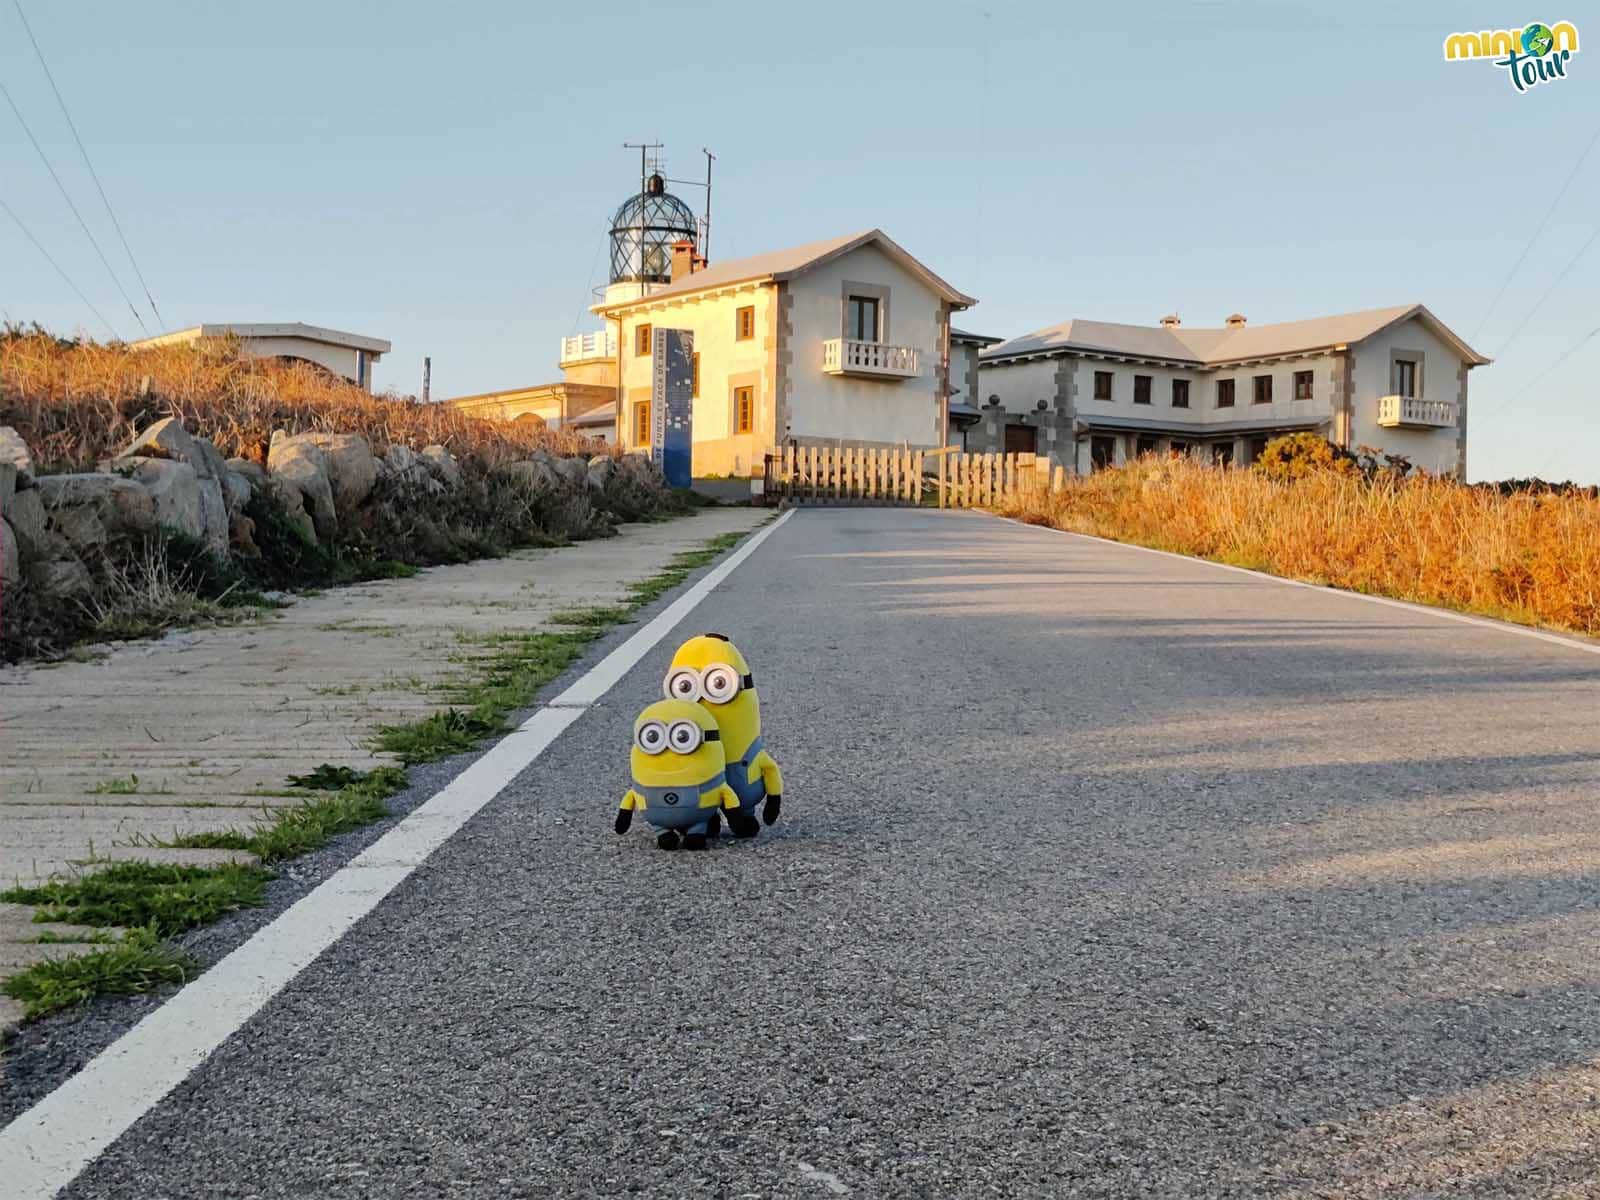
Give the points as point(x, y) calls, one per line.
point(672, 405)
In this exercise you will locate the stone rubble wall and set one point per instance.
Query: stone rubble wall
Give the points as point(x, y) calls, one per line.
point(54, 528)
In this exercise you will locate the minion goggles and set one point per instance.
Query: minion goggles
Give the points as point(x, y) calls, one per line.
point(718, 683)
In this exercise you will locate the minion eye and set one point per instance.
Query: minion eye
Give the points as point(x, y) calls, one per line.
point(684, 737)
point(651, 737)
point(720, 683)
point(683, 684)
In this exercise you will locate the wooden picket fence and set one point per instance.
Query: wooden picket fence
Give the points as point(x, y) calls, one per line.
point(853, 475)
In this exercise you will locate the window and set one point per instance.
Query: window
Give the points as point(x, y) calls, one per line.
point(1263, 389)
point(1102, 385)
point(1302, 385)
point(744, 409)
point(1405, 377)
point(861, 319)
point(744, 324)
point(1147, 445)
point(1222, 453)
point(1102, 452)
point(1224, 393)
point(1141, 389)
point(641, 339)
point(1180, 393)
point(1258, 447)
point(641, 423)
point(1179, 449)
point(694, 376)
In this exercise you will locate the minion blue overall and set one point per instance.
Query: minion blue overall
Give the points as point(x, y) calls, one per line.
point(680, 780)
point(710, 670)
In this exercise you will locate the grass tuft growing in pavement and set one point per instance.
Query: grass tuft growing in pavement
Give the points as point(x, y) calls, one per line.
point(140, 963)
point(164, 898)
point(358, 801)
point(599, 616)
point(506, 679)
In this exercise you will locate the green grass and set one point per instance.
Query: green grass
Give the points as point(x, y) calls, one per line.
point(166, 899)
point(498, 683)
point(356, 799)
point(126, 785)
point(139, 963)
point(598, 616)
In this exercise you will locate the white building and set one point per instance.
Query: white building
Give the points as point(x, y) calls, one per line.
point(347, 355)
point(839, 342)
point(1092, 393)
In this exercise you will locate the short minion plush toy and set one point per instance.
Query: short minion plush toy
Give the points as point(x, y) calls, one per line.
point(709, 669)
point(680, 781)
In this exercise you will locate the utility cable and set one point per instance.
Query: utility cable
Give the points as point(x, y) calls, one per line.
point(1542, 376)
point(1526, 250)
point(1554, 283)
point(82, 224)
point(38, 245)
point(93, 174)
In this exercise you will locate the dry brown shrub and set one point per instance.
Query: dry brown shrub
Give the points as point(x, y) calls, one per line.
point(1532, 558)
point(77, 403)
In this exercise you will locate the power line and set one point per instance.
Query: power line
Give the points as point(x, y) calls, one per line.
point(28, 233)
point(1543, 375)
point(1528, 316)
point(82, 224)
point(1516, 266)
point(116, 224)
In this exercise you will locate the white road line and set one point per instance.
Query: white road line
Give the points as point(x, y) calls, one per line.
point(46, 1147)
point(1443, 614)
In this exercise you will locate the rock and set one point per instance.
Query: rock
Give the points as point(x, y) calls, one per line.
point(14, 450)
point(402, 460)
point(27, 520)
point(574, 470)
point(60, 578)
point(10, 555)
point(300, 463)
point(294, 511)
point(238, 489)
point(600, 474)
point(175, 489)
point(8, 485)
point(242, 535)
point(121, 503)
point(534, 474)
point(168, 439)
point(443, 464)
point(351, 468)
point(214, 515)
point(81, 526)
point(253, 471)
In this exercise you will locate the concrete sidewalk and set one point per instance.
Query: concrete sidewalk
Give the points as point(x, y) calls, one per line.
point(201, 729)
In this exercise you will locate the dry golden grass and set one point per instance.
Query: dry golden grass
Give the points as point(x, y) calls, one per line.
point(1529, 558)
point(75, 404)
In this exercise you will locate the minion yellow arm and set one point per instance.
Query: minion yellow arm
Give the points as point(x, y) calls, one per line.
point(630, 801)
point(770, 775)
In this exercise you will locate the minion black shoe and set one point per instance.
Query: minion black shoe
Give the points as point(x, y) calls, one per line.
point(694, 841)
point(742, 823)
point(769, 812)
point(667, 839)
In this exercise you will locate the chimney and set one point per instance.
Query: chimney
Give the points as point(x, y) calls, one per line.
point(1235, 321)
point(683, 259)
point(1171, 321)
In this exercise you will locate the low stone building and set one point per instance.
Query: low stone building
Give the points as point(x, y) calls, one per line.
point(348, 355)
point(1093, 393)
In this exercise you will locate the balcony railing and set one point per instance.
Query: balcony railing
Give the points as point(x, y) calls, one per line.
point(1407, 412)
point(600, 344)
point(844, 356)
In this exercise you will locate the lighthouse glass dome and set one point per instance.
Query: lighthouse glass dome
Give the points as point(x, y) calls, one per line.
point(643, 231)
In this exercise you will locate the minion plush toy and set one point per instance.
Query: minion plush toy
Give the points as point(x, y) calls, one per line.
point(680, 779)
point(709, 669)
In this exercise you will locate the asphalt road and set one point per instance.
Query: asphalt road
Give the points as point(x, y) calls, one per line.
point(1101, 873)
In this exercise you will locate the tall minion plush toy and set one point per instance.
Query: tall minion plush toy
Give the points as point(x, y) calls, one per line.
point(680, 780)
point(709, 669)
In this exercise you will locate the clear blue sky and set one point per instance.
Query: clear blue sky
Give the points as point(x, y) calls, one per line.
point(442, 176)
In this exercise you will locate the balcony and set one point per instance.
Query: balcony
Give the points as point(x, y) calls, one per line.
point(843, 356)
point(1407, 412)
point(600, 344)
